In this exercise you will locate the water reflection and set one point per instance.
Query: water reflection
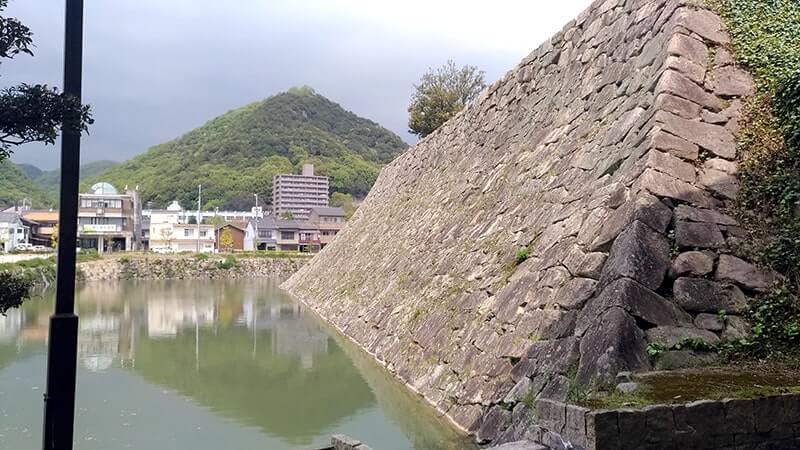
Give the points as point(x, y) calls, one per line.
point(244, 351)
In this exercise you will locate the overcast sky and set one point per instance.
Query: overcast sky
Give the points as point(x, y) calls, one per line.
point(155, 69)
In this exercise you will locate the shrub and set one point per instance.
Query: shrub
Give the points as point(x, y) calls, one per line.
point(201, 256)
point(228, 264)
point(522, 256)
point(14, 290)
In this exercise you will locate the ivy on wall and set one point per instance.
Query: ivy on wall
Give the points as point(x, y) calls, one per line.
point(765, 36)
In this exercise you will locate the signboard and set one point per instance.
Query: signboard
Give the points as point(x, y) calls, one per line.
point(100, 228)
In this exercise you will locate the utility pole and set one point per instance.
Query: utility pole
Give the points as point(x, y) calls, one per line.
point(199, 215)
point(256, 220)
point(62, 352)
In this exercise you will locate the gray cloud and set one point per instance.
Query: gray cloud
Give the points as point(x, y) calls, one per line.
point(155, 69)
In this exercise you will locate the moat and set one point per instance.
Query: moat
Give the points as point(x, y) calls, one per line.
point(207, 365)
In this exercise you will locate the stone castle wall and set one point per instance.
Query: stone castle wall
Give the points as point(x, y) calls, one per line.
point(609, 154)
point(183, 268)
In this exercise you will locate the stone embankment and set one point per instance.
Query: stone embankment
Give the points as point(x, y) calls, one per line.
point(180, 268)
point(567, 219)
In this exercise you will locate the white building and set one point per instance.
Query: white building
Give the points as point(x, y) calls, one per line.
point(12, 231)
point(182, 237)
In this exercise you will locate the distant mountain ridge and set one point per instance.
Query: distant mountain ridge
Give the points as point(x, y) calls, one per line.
point(50, 179)
point(16, 186)
point(236, 154)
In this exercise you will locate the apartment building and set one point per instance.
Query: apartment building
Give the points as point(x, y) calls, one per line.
point(108, 220)
point(298, 194)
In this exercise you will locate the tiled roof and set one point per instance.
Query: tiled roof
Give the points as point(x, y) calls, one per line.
point(328, 211)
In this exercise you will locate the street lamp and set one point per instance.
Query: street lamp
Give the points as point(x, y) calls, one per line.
point(62, 352)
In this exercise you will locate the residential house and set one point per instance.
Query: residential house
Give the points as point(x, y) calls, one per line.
point(182, 237)
point(108, 220)
point(237, 232)
point(42, 225)
point(297, 194)
point(280, 234)
point(12, 231)
point(329, 221)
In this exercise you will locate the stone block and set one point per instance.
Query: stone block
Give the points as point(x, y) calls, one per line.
point(687, 213)
point(612, 345)
point(547, 357)
point(494, 423)
point(602, 430)
point(705, 23)
point(688, 47)
point(692, 70)
point(550, 414)
point(710, 322)
point(467, 417)
point(632, 429)
point(698, 295)
point(646, 209)
point(722, 183)
point(638, 253)
point(671, 336)
point(714, 138)
point(520, 392)
point(674, 82)
point(698, 235)
point(638, 301)
point(344, 442)
point(659, 422)
point(557, 388)
point(706, 417)
point(575, 293)
point(791, 408)
point(670, 165)
point(692, 263)
point(735, 328)
point(732, 81)
point(677, 105)
point(768, 413)
point(664, 185)
point(575, 430)
point(685, 359)
point(747, 275)
point(661, 140)
point(739, 416)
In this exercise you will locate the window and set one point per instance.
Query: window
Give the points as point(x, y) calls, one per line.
point(265, 234)
point(287, 235)
point(203, 233)
point(187, 232)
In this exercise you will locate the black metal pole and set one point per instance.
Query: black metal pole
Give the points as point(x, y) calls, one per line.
point(59, 399)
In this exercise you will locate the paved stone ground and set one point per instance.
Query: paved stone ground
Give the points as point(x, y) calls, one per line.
point(609, 153)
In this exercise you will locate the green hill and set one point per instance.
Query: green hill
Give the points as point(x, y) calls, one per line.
point(237, 153)
point(49, 180)
point(16, 186)
point(30, 170)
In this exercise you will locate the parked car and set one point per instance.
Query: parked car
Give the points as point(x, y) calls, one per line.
point(41, 249)
point(24, 247)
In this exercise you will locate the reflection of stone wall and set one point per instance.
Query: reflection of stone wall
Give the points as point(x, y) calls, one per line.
point(172, 268)
point(609, 153)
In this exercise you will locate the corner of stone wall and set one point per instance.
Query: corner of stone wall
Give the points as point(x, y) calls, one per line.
point(665, 269)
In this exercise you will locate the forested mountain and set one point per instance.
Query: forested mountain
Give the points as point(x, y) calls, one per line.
point(16, 186)
point(236, 154)
point(49, 180)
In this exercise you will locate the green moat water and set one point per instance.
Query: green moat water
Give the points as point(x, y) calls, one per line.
point(207, 365)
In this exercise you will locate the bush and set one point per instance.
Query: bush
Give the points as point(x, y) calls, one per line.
point(14, 290)
point(776, 327)
point(228, 264)
point(201, 256)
